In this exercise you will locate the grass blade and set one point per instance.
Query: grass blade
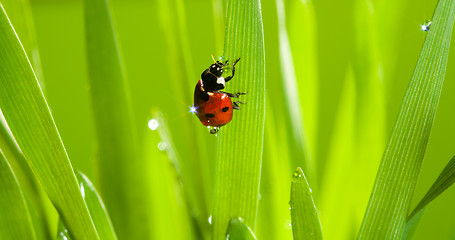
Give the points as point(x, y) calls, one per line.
point(305, 220)
point(169, 211)
point(15, 220)
point(30, 120)
point(239, 152)
point(119, 164)
point(237, 230)
point(96, 208)
point(298, 143)
point(444, 181)
point(385, 216)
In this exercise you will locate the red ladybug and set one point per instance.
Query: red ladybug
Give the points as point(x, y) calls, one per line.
point(213, 107)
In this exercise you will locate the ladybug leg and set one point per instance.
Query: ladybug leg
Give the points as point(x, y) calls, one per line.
point(235, 105)
point(227, 79)
point(234, 95)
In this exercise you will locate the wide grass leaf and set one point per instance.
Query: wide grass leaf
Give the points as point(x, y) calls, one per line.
point(31, 123)
point(120, 171)
point(15, 220)
point(240, 143)
point(305, 219)
point(386, 214)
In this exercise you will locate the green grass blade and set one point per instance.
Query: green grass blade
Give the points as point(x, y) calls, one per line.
point(304, 215)
point(169, 211)
point(274, 201)
point(240, 143)
point(298, 145)
point(386, 214)
point(15, 220)
point(337, 189)
point(444, 181)
point(96, 208)
point(119, 165)
point(31, 123)
point(237, 230)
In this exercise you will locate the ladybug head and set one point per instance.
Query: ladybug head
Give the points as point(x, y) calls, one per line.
point(216, 69)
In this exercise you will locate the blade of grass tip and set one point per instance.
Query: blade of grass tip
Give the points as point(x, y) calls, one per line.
point(305, 220)
point(96, 208)
point(298, 142)
point(31, 123)
point(237, 230)
point(240, 144)
point(442, 183)
point(120, 169)
point(385, 216)
point(337, 190)
point(15, 219)
point(170, 215)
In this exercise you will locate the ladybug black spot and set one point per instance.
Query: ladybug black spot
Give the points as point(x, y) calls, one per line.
point(225, 109)
point(209, 115)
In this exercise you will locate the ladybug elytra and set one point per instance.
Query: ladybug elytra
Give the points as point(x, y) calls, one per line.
point(213, 107)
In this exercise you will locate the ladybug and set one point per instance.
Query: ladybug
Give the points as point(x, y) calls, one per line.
point(213, 107)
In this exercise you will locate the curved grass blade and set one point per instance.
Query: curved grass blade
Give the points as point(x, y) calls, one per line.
point(119, 165)
point(15, 219)
point(444, 181)
point(237, 230)
point(31, 123)
point(96, 208)
point(305, 220)
point(239, 151)
point(386, 214)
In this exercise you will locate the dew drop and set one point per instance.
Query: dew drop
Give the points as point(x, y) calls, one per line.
point(214, 130)
point(210, 219)
point(82, 191)
point(162, 146)
point(194, 213)
point(288, 225)
point(153, 124)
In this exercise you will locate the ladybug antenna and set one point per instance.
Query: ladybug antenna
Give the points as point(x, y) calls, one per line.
point(213, 58)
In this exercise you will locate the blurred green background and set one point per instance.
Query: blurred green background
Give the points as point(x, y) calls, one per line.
point(338, 32)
